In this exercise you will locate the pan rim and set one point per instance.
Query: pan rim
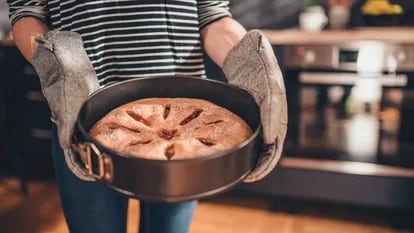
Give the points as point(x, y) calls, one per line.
point(87, 138)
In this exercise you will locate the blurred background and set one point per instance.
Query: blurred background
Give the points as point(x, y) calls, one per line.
point(348, 163)
point(283, 14)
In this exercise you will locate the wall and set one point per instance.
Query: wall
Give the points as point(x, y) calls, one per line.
point(276, 14)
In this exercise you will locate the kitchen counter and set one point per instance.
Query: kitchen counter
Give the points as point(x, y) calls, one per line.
point(401, 35)
point(8, 41)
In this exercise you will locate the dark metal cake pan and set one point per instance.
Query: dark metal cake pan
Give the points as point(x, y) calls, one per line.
point(167, 180)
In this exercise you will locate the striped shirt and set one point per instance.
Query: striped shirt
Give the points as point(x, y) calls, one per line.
point(131, 38)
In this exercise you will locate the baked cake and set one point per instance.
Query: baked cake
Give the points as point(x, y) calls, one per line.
point(170, 128)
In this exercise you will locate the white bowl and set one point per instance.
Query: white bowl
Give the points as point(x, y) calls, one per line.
point(312, 21)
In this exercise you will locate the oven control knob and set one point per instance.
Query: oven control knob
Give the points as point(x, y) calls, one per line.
point(309, 57)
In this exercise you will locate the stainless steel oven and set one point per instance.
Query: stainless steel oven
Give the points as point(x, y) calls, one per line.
point(351, 124)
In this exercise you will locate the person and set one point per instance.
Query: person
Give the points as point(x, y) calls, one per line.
point(77, 46)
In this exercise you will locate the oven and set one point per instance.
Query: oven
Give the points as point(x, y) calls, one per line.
point(352, 103)
point(351, 125)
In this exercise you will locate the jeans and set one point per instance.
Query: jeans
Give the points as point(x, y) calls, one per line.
point(91, 207)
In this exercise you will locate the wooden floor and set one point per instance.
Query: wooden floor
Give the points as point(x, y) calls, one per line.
point(40, 212)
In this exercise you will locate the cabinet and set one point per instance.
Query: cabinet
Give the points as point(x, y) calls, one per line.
point(25, 136)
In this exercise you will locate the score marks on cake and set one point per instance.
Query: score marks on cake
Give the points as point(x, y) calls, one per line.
point(138, 118)
point(191, 117)
point(138, 142)
point(207, 141)
point(169, 151)
point(167, 134)
point(167, 110)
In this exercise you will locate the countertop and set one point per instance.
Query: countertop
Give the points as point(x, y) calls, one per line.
point(7, 41)
point(401, 35)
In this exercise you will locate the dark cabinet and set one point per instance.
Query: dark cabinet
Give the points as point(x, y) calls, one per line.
point(25, 136)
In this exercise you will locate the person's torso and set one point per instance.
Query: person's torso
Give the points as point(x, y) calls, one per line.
point(134, 38)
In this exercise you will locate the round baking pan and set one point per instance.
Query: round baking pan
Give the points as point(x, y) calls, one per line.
point(167, 180)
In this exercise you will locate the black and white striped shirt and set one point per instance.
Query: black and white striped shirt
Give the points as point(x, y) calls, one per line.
point(132, 38)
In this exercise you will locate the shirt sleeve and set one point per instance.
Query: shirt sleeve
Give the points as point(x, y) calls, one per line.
point(27, 8)
point(210, 11)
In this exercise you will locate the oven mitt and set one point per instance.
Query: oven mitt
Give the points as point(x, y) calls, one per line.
point(252, 66)
point(67, 78)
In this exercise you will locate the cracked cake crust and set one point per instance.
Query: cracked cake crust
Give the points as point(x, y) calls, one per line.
point(170, 128)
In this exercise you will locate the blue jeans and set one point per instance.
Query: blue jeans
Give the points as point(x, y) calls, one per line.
point(91, 207)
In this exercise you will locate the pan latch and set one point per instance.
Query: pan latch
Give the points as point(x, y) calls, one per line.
point(96, 164)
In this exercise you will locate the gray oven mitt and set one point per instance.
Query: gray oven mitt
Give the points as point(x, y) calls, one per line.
point(252, 66)
point(67, 78)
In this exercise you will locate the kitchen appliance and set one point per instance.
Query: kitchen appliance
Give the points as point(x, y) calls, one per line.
point(351, 125)
point(175, 180)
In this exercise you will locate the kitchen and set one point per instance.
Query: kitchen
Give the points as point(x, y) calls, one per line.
point(349, 143)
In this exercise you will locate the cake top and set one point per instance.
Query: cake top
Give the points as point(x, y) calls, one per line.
point(170, 128)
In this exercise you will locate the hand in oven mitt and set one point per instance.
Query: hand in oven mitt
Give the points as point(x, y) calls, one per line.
point(252, 66)
point(67, 78)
